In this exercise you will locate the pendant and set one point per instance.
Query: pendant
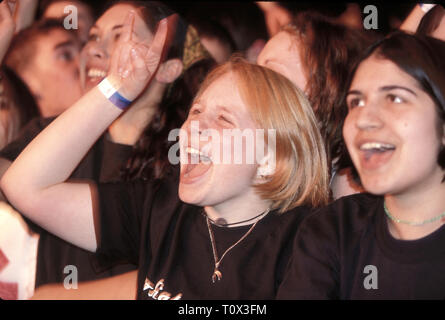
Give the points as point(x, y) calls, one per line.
point(216, 275)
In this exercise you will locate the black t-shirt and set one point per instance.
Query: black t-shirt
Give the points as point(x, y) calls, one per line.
point(170, 241)
point(345, 251)
point(101, 164)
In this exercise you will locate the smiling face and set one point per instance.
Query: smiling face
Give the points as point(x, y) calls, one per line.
point(209, 182)
point(392, 131)
point(96, 55)
point(53, 76)
point(281, 54)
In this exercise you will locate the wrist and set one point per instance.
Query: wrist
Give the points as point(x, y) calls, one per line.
point(111, 88)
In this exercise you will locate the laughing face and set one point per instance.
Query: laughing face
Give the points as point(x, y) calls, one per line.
point(392, 131)
point(96, 55)
point(206, 181)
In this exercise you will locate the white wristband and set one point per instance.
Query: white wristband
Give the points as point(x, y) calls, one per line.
point(107, 88)
point(426, 6)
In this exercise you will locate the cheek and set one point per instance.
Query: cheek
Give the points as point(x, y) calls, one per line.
point(348, 130)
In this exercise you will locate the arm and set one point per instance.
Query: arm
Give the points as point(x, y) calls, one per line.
point(7, 26)
point(25, 13)
point(412, 21)
point(36, 181)
point(121, 287)
point(275, 15)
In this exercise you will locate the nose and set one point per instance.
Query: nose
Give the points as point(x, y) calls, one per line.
point(369, 117)
point(96, 50)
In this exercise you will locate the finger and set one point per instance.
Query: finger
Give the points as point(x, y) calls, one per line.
point(12, 6)
point(154, 53)
point(5, 13)
point(127, 29)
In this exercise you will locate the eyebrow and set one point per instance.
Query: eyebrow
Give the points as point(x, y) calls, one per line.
point(384, 88)
point(389, 88)
point(225, 109)
point(114, 28)
point(64, 44)
point(219, 107)
point(118, 27)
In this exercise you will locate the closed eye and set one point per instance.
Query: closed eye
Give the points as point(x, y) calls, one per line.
point(223, 118)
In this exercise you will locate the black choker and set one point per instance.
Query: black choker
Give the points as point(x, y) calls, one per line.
point(216, 223)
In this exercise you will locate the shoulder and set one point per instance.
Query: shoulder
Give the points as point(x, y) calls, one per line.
point(350, 214)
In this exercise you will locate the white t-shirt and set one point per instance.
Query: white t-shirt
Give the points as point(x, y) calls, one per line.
point(18, 244)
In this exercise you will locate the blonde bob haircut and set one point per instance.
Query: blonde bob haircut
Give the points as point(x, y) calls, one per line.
point(301, 172)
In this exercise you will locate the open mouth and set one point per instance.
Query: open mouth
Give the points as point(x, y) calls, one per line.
point(95, 76)
point(375, 154)
point(197, 164)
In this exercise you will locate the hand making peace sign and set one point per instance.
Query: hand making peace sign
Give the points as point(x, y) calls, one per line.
point(135, 61)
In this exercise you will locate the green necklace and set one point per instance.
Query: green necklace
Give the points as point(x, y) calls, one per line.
point(410, 222)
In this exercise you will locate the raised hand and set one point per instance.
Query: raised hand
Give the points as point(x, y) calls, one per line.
point(135, 61)
point(7, 25)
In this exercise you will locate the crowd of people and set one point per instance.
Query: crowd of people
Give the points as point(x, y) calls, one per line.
point(162, 152)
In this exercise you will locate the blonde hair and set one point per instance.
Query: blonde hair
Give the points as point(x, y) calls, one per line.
point(301, 173)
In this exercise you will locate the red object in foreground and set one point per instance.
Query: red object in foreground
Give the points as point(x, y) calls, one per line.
point(9, 290)
point(3, 260)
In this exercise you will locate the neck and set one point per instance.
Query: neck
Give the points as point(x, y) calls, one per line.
point(129, 126)
point(416, 207)
point(240, 209)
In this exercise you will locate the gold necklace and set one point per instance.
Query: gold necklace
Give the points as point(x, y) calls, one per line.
point(217, 275)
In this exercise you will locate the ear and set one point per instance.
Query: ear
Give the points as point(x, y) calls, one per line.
point(266, 166)
point(169, 71)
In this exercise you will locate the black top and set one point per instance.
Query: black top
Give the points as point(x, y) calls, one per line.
point(171, 242)
point(345, 251)
point(102, 163)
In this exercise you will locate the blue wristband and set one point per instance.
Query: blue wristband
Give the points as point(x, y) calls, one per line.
point(111, 93)
point(119, 101)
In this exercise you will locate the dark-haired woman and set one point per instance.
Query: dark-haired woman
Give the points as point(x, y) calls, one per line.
point(317, 55)
point(388, 243)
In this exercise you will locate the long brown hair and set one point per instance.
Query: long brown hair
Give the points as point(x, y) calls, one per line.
point(149, 159)
point(329, 51)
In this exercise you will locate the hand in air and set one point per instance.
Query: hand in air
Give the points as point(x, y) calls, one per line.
point(7, 25)
point(135, 61)
point(276, 17)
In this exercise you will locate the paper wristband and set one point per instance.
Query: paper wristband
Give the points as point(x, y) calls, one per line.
point(111, 93)
point(426, 6)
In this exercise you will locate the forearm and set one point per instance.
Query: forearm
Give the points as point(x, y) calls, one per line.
point(35, 181)
point(412, 22)
point(52, 156)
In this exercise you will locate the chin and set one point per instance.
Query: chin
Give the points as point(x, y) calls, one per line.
point(190, 195)
point(376, 186)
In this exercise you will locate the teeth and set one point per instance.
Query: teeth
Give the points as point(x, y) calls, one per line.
point(96, 73)
point(197, 153)
point(376, 145)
